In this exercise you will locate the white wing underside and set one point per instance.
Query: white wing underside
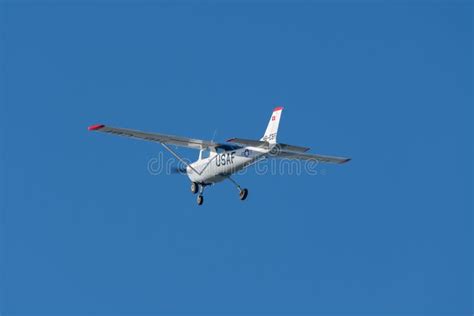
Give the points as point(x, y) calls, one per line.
point(155, 137)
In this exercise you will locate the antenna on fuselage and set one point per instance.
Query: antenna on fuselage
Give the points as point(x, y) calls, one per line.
point(214, 135)
point(204, 149)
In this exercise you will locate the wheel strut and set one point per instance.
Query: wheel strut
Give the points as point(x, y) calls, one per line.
point(200, 197)
point(242, 191)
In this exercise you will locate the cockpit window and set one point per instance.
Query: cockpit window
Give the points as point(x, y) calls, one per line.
point(222, 148)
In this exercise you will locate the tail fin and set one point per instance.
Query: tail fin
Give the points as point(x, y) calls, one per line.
point(272, 128)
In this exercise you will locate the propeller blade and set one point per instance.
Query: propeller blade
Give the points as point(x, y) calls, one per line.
point(180, 170)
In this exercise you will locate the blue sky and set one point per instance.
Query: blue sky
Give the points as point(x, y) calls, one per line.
point(86, 229)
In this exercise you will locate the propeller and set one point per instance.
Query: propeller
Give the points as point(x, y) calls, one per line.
point(178, 170)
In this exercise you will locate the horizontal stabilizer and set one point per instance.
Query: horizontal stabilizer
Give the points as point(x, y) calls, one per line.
point(293, 148)
point(303, 156)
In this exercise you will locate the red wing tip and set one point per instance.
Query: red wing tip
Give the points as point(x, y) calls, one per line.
point(278, 108)
point(95, 127)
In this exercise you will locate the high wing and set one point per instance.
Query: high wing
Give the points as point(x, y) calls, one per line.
point(303, 156)
point(154, 137)
point(265, 144)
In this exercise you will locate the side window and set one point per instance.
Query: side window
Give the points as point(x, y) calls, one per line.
point(205, 153)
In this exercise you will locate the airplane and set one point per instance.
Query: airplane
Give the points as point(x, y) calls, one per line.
point(218, 161)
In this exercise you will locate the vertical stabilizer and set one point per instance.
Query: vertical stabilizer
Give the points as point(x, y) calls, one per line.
point(272, 128)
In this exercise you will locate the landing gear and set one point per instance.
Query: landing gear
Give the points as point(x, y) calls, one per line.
point(200, 188)
point(242, 192)
point(200, 199)
point(194, 187)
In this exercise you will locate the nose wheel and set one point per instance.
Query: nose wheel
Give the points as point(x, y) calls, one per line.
point(195, 188)
point(200, 199)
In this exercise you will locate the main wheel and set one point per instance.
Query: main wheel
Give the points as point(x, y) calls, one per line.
point(194, 187)
point(200, 199)
point(243, 194)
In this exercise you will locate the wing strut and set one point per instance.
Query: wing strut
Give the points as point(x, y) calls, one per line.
point(179, 158)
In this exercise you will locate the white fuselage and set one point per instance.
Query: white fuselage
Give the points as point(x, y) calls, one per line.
point(219, 166)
